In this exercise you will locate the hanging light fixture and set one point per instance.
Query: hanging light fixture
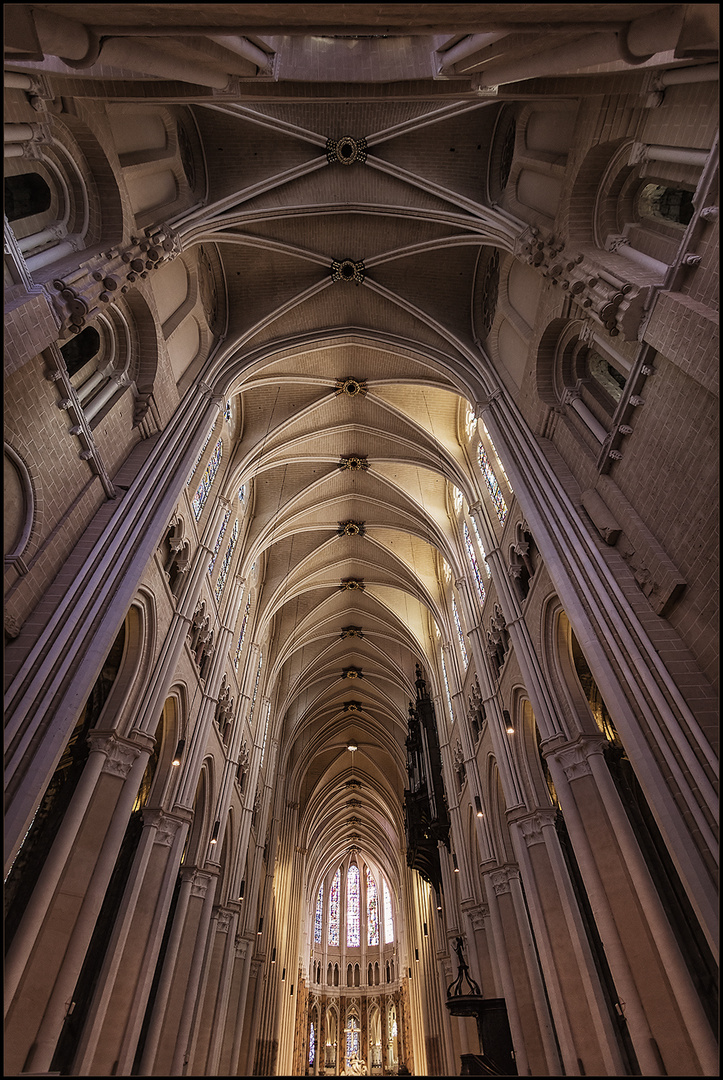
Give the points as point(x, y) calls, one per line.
point(214, 834)
point(508, 722)
point(454, 863)
point(241, 890)
point(478, 806)
point(261, 926)
point(179, 752)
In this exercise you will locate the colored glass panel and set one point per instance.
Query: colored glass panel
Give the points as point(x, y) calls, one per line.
point(240, 642)
point(312, 1044)
point(266, 726)
point(352, 907)
point(388, 917)
point(256, 686)
point(446, 687)
point(209, 475)
point(334, 910)
point(352, 1038)
point(197, 462)
point(473, 563)
point(227, 412)
point(460, 635)
point(226, 562)
point(319, 915)
point(372, 911)
point(492, 486)
point(497, 458)
point(481, 546)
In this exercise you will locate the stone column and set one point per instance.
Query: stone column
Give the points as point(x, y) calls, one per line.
point(207, 882)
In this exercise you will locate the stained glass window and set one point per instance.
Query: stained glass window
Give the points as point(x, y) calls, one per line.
point(497, 457)
point(446, 687)
point(388, 918)
point(206, 441)
point(227, 412)
point(372, 911)
point(266, 723)
point(241, 634)
point(312, 1044)
point(352, 907)
point(481, 546)
point(319, 914)
point(352, 1038)
point(334, 910)
point(492, 485)
point(209, 475)
point(256, 686)
point(473, 562)
point(223, 574)
point(219, 538)
point(242, 494)
point(460, 635)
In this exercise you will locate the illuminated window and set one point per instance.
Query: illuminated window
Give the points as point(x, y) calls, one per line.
point(209, 475)
point(312, 1044)
point(497, 457)
point(242, 494)
point(334, 910)
point(372, 911)
point(492, 486)
point(388, 918)
point(256, 686)
point(206, 441)
point(460, 635)
point(457, 499)
point(481, 546)
point(352, 907)
point(352, 1038)
point(446, 687)
point(318, 915)
point(226, 562)
point(266, 724)
point(217, 545)
point(473, 562)
point(227, 412)
point(241, 634)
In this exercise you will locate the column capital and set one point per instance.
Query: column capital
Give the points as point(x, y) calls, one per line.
point(531, 825)
point(574, 757)
point(501, 879)
point(120, 753)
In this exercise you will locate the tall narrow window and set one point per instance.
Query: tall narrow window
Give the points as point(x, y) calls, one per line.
point(256, 687)
point(352, 1038)
point(460, 635)
point(334, 910)
point(446, 687)
point(219, 538)
point(227, 412)
point(197, 462)
point(266, 726)
point(372, 911)
point(209, 475)
point(497, 456)
point(388, 917)
point(352, 907)
point(481, 546)
point(240, 642)
point(319, 915)
point(473, 563)
point(492, 486)
point(312, 1044)
point(223, 574)
point(242, 494)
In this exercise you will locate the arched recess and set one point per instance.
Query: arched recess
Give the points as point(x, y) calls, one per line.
point(497, 807)
point(200, 831)
point(18, 504)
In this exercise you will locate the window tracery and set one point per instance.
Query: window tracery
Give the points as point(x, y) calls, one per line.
point(209, 475)
point(318, 915)
point(372, 911)
point(244, 623)
point(334, 909)
point(388, 916)
point(473, 563)
point(352, 907)
point(223, 574)
point(492, 486)
point(460, 635)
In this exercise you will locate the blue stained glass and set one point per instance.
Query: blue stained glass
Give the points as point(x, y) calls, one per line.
point(372, 911)
point(219, 538)
point(473, 563)
point(206, 441)
point(388, 918)
point(319, 915)
point(460, 635)
point(209, 475)
point(242, 494)
point(334, 910)
point(352, 907)
point(239, 645)
point(446, 687)
point(256, 686)
point(223, 574)
point(312, 1044)
point(497, 456)
point(352, 1038)
point(493, 487)
point(227, 412)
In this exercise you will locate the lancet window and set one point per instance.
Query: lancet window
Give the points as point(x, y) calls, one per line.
point(197, 462)
point(388, 917)
point(226, 561)
point(219, 539)
point(497, 456)
point(352, 907)
point(209, 475)
point(460, 635)
point(372, 911)
point(492, 486)
point(256, 686)
point(334, 910)
point(239, 644)
point(446, 687)
point(481, 546)
point(473, 563)
point(319, 915)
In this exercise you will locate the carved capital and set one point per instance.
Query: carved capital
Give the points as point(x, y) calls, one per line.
point(120, 753)
point(223, 920)
point(502, 878)
point(574, 759)
point(531, 826)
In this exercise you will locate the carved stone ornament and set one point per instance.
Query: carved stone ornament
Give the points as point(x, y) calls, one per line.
point(120, 757)
point(501, 880)
point(223, 922)
point(347, 270)
point(531, 829)
point(200, 885)
point(351, 387)
point(241, 947)
point(166, 830)
point(351, 528)
point(352, 706)
point(352, 585)
point(346, 151)
point(351, 631)
point(354, 462)
point(352, 673)
point(477, 918)
point(574, 762)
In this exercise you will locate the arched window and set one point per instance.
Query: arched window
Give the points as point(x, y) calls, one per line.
point(372, 914)
point(256, 687)
point(352, 1038)
point(26, 195)
point(352, 907)
point(319, 915)
point(219, 539)
point(460, 635)
point(473, 563)
point(481, 547)
point(388, 917)
point(226, 562)
point(492, 486)
point(334, 910)
point(209, 475)
point(197, 462)
point(606, 375)
point(240, 642)
point(496, 455)
point(446, 687)
point(80, 349)
point(671, 204)
point(312, 1044)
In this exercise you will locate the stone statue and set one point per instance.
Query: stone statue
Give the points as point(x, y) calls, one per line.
point(356, 1066)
